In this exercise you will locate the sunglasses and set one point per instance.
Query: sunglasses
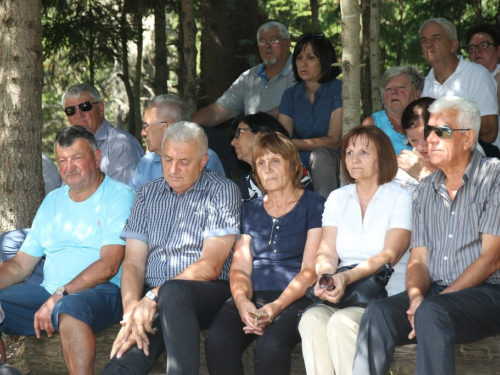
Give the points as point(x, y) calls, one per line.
point(237, 132)
point(84, 107)
point(442, 131)
point(326, 282)
point(145, 126)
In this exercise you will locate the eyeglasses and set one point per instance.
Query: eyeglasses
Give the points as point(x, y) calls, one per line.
point(484, 45)
point(237, 132)
point(442, 131)
point(273, 41)
point(84, 107)
point(145, 126)
point(313, 35)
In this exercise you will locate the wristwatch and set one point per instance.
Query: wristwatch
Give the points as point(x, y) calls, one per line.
point(61, 291)
point(152, 296)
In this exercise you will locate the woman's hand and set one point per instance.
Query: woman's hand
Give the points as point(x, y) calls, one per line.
point(272, 310)
point(334, 295)
point(411, 162)
point(247, 318)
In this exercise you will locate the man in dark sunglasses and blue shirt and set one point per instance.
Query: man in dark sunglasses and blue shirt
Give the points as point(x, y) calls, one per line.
point(121, 152)
point(452, 279)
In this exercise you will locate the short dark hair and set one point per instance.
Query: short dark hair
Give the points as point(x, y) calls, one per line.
point(387, 162)
point(278, 144)
point(416, 113)
point(260, 122)
point(68, 136)
point(486, 28)
point(323, 50)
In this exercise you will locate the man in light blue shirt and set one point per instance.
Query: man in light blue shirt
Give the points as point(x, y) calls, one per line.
point(163, 111)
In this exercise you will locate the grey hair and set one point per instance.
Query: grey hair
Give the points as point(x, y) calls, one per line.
point(449, 28)
point(76, 90)
point(468, 113)
point(185, 131)
point(67, 136)
point(283, 30)
point(171, 107)
point(416, 77)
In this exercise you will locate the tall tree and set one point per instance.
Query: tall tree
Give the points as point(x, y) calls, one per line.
point(375, 54)
point(161, 67)
point(21, 81)
point(314, 15)
point(366, 81)
point(189, 95)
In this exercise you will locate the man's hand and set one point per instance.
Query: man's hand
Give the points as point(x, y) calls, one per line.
point(414, 304)
point(412, 163)
point(43, 317)
point(141, 319)
point(124, 340)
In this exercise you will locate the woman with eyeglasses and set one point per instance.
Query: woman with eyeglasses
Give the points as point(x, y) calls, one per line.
point(399, 86)
point(311, 110)
point(247, 129)
point(272, 266)
point(415, 163)
point(366, 224)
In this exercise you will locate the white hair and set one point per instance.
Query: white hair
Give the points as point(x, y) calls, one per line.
point(416, 77)
point(468, 113)
point(77, 90)
point(282, 29)
point(449, 28)
point(171, 106)
point(184, 132)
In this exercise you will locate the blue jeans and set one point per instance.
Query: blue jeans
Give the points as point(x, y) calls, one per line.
point(441, 321)
point(99, 307)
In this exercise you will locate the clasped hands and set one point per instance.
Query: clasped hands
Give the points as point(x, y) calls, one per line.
point(335, 294)
point(257, 320)
point(135, 326)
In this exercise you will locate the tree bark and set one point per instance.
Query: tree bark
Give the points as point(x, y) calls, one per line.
point(161, 68)
point(124, 75)
point(375, 54)
point(190, 96)
point(366, 82)
point(314, 15)
point(399, 40)
point(138, 74)
point(21, 81)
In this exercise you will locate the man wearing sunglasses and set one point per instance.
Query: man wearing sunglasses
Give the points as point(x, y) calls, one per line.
point(258, 89)
point(121, 152)
point(452, 278)
point(451, 75)
point(163, 111)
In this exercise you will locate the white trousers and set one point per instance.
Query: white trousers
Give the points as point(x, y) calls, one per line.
point(329, 339)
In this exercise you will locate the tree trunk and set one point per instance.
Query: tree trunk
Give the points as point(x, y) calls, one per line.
point(190, 96)
point(228, 44)
point(161, 67)
point(375, 54)
point(21, 81)
point(138, 74)
point(124, 75)
point(479, 11)
point(366, 82)
point(399, 40)
point(314, 15)
point(351, 27)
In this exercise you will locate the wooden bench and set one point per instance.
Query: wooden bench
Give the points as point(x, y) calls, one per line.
point(44, 357)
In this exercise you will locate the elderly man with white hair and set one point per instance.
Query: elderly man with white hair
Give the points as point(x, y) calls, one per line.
point(452, 279)
point(175, 274)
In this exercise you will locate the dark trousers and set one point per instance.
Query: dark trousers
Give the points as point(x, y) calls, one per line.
point(184, 308)
point(441, 321)
point(227, 341)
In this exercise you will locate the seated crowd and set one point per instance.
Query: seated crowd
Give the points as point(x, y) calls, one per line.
point(284, 255)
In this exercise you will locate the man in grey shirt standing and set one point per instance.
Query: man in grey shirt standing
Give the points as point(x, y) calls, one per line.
point(452, 279)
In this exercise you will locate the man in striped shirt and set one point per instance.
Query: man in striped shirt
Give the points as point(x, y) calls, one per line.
point(453, 280)
point(180, 232)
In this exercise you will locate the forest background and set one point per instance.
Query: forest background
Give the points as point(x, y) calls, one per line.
point(133, 50)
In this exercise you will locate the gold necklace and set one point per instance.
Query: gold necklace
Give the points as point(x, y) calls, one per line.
point(281, 213)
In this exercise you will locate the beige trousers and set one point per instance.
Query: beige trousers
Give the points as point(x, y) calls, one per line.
point(329, 339)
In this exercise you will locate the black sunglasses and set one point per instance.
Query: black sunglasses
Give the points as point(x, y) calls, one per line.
point(326, 282)
point(442, 131)
point(84, 107)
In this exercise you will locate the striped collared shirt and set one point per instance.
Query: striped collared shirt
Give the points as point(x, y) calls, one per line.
point(451, 230)
point(174, 226)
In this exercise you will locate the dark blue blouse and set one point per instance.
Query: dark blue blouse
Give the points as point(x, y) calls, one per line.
point(275, 265)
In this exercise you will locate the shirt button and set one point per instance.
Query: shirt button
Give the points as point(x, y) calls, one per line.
point(274, 242)
point(450, 236)
point(274, 250)
point(445, 258)
point(453, 212)
point(278, 227)
point(168, 258)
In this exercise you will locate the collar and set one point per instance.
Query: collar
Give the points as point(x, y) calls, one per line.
point(470, 174)
point(287, 69)
point(102, 133)
point(461, 66)
point(200, 184)
point(383, 192)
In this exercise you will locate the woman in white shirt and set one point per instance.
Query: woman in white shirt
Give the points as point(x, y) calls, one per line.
point(367, 223)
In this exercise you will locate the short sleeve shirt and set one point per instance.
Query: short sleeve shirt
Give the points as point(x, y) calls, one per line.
point(70, 234)
point(174, 226)
point(252, 92)
point(361, 238)
point(452, 230)
point(275, 264)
